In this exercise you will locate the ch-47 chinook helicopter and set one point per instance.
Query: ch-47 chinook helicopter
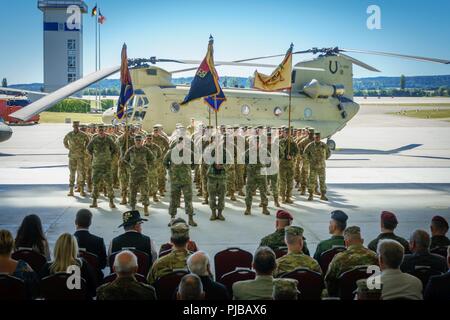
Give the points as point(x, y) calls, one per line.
point(322, 94)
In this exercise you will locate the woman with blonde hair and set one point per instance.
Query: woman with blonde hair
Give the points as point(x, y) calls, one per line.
point(66, 255)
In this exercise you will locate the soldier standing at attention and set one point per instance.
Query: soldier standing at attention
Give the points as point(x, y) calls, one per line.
point(177, 258)
point(317, 153)
point(153, 170)
point(140, 159)
point(123, 143)
point(180, 181)
point(272, 178)
point(304, 171)
point(288, 152)
point(217, 185)
point(162, 141)
point(295, 258)
point(355, 255)
point(76, 142)
point(336, 228)
point(115, 133)
point(191, 127)
point(102, 149)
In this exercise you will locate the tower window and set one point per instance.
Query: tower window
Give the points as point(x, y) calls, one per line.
point(71, 61)
point(71, 44)
point(71, 77)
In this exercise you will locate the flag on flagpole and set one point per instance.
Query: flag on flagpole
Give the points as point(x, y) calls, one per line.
point(101, 18)
point(206, 80)
point(126, 88)
point(216, 101)
point(280, 78)
point(94, 11)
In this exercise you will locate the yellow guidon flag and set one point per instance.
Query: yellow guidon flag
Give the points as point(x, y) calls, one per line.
point(280, 78)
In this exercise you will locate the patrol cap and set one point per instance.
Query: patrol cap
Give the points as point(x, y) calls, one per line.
point(389, 217)
point(339, 215)
point(284, 215)
point(130, 218)
point(76, 123)
point(138, 137)
point(353, 230)
point(317, 133)
point(285, 287)
point(311, 130)
point(83, 126)
point(101, 126)
point(293, 231)
point(260, 127)
point(91, 125)
point(440, 220)
point(236, 126)
point(157, 126)
point(179, 230)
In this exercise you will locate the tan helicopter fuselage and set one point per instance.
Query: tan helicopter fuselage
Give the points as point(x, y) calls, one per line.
point(247, 106)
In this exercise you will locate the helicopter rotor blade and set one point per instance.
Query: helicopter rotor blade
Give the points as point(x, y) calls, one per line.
point(359, 63)
point(51, 99)
point(397, 55)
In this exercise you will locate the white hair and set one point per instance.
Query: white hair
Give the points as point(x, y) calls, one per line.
point(125, 267)
point(200, 265)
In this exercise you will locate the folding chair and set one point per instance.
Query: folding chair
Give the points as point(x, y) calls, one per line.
point(310, 283)
point(229, 259)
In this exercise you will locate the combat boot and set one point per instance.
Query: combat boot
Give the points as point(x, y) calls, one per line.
point(77, 189)
point(155, 198)
point(232, 197)
point(241, 193)
point(289, 200)
point(70, 194)
point(82, 193)
point(191, 221)
point(323, 197)
point(265, 211)
point(248, 210)
point(213, 215)
point(124, 199)
point(297, 185)
point(105, 192)
point(260, 205)
point(161, 192)
point(146, 210)
point(277, 204)
point(111, 204)
point(94, 203)
point(220, 216)
point(283, 199)
point(205, 201)
point(302, 191)
point(311, 197)
point(316, 192)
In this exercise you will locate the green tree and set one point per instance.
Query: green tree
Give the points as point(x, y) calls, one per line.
point(402, 82)
point(4, 83)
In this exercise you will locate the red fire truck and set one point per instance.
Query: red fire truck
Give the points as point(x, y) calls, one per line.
point(10, 104)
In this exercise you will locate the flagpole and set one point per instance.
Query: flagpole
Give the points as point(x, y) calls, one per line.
point(99, 61)
point(96, 61)
point(215, 108)
point(289, 122)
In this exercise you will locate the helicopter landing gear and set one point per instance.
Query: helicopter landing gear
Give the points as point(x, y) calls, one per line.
point(331, 144)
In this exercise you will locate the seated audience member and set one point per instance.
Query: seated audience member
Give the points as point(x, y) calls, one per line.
point(88, 241)
point(19, 269)
point(439, 229)
point(125, 286)
point(275, 240)
point(438, 287)
point(66, 255)
point(175, 259)
point(295, 258)
point(336, 228)
point(31, 235)
point(261, 288)
point(388, 224)
point(285, 289)
point(198, 263)
point(190, 288)
point(394, 283)
point(191, 245)
point(421, 256)
point(133, 237)
point(355, 255)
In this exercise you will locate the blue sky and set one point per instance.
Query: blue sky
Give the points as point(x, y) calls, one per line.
point(242, 29)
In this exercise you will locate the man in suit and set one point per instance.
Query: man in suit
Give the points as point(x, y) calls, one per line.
point(264, 263)
point(421, 256)
point(388, 224)
point(198, 263)
point(438, 287)
point(190, 288)
point(394, 283)
point(133, 237)
point(88, 241)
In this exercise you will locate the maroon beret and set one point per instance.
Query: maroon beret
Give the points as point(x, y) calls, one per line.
point(387, 216)
point(440, 220)
point(282, 214)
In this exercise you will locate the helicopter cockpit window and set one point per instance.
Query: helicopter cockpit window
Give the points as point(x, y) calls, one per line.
point(307, 113)
point(175, 107)
point(140, 102)
point(277, 111)
point(245, 109)
point(145, 99)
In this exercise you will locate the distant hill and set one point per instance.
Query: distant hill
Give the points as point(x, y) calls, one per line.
point(375, 83)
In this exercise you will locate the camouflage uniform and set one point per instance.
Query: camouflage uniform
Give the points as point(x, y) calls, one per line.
point(124, 142)
point(304, 172)
point(76, 143)
point(292, 261)
point(317, 153)
point(153, 170)
point(180, 181)
point(355, 255)
point(163, 143)
point(102, 150)
point(126, 288)
point(176, 259)
point(217, 180)
point(286, 172)
point(140, 160)
point(275, 240)
point(115, 164)
point(255, 180)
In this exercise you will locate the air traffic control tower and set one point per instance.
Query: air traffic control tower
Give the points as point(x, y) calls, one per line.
point(63, 41)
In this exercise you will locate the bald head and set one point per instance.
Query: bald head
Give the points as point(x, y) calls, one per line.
point(198, 263)
point(125, 263)
point(190, 288)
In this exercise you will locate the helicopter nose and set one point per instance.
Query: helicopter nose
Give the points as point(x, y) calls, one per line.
point(351, 109)
point(5, 132)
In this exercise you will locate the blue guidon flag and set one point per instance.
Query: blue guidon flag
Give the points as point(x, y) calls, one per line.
point(206, 80)
point(216, 101)
point(126, 89)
